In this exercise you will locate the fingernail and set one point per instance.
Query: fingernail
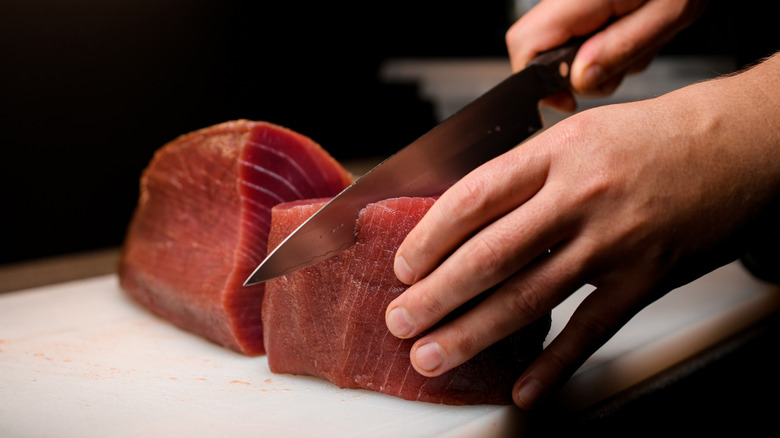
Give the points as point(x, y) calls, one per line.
point(403, 271)
point(592, 76)
point(399, 322)
point(429, 357)
point(529, 393)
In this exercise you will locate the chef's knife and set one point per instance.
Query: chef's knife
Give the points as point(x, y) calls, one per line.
point(492, 124)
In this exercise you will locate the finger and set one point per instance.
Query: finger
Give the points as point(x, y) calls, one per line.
point(473, 202)
point(488, 258)
point(641, 64)
point(608, 85)
point(632, 38)
point(563, 102)
point(523, 299)
point(594, 322)
point(552, 23)
point(605, 88)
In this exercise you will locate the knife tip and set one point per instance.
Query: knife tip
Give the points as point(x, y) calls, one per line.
point(255, 277)
point(263, 273)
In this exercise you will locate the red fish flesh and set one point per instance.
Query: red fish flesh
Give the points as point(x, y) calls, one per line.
point(202, 220)
point(327, 320)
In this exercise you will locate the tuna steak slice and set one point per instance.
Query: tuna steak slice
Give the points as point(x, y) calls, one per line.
point(202, 220)
point(328, 320)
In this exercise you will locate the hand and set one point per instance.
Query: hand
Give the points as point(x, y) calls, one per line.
point(628, 34)
point(635, 199)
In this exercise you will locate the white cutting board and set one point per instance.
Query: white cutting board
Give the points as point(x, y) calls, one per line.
point(81, 359)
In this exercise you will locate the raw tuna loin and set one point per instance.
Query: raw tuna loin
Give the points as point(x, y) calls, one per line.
point(202, 220)
point(327, 320)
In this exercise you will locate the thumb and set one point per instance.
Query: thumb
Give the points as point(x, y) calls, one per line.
point(628, 43)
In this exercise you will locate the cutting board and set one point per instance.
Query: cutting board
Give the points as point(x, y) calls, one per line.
point(82, 359)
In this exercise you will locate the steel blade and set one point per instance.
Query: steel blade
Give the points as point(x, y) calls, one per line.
point(497, 121)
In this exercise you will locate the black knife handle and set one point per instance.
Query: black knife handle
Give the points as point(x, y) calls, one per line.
point(559, 61)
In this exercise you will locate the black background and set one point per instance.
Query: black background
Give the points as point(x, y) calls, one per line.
point(90, 89)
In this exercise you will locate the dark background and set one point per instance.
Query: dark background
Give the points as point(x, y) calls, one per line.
point(90, 89)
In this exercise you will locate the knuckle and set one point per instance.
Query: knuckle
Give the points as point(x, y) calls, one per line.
point(526, 304)
point(557, 363)
point(512, 33)
point(430, 306)
point(590, 327)
point(469, 199)
point(465, 343)
point(560, 365)
point(415, 243)
point(625, 48)
point(487, 256)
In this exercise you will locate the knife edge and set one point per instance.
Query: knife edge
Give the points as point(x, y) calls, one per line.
point(429, 165)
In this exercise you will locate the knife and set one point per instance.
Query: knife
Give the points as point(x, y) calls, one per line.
point(497, 121)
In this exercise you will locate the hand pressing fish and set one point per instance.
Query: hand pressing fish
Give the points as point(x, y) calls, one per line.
point(328, 320)
point(205, 207)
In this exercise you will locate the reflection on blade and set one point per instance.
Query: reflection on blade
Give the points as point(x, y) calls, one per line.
point(494, 123)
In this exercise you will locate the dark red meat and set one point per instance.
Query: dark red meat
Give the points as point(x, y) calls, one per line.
point(328, 320)
point(202, 221)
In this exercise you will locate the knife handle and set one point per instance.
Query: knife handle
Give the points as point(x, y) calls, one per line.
point(559, 60)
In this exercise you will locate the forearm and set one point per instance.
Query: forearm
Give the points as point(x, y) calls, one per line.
point(726, 133)
point(738, 118)
point(761, 126)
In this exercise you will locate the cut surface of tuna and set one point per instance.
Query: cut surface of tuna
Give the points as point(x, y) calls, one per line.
point(201, 224)
point(327, 320)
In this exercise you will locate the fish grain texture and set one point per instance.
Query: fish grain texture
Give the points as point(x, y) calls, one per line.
point(202, 220)
point(327, 320)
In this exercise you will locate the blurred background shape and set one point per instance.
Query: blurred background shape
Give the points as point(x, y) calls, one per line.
point(90, 89)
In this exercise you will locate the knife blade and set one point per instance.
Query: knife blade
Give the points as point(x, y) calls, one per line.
point(495, 122)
